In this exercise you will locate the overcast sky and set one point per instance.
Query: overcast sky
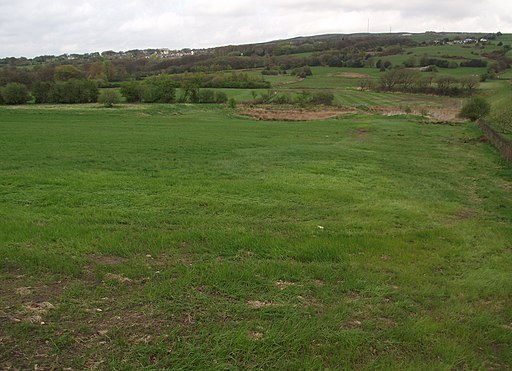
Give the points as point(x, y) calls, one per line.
point(36, 27)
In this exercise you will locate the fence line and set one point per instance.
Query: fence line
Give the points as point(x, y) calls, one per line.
point(503, 145)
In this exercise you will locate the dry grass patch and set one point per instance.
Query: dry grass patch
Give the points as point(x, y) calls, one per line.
point(352, 75)
point(292, 114)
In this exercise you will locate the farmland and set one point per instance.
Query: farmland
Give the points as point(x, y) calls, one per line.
point(375, 234)
point(188, 236)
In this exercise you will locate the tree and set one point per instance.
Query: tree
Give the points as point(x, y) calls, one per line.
point(15, 93)
point(446, 83)
point(398, 77)
point(469, 82)
point(96, 71)
point(132, 91)
point(475, 109)
point(67, 72)
point(109, 97)
point(164, 88)
point(190, 91)
point(43, 91)
point(75, 91)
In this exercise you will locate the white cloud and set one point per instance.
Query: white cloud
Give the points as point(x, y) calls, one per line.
point(36, 27)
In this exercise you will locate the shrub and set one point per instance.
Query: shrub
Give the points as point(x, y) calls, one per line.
point(74, 91)
point(303, 98)
point(43, 91)
point(475, 109)
point(220, 97)
point(232, 103)
point(474, 63)
point(149, 93)
point(163, 88)
point(15, 93)
point(302, 72)
point(324, 98)
point(206, 96)
point(131, 91)
point(469, 83)
point(109, 97)
point(270, 72)
point(67, 72)
point(502, 117)
point(282, 99)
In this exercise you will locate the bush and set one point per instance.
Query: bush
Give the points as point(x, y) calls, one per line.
point(164, 88)
point(324, 98)
point(282, 99)
point(302, 72)
point(206, 96)
point(220, 97)
point(232, 103)
point(303, 98)
point(43, 91)
point(474, 63)
point(131, 91)
point(149, 93)
point(75, 91)
point(15, 93)
point(270, 72)
point(109, 97)
point(475, 109)
point(502, 118)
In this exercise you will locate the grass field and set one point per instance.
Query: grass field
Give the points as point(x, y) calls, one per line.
point(188, 237)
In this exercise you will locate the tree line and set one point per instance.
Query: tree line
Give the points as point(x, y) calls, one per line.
point(409, 80)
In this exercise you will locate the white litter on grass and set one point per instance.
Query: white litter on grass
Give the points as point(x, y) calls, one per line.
point(320, 227)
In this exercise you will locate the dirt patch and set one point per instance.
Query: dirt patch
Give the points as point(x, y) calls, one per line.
point(433, 114)
point(118, 278)
point(256, 304)
point(353, 75)
point(465, 215)
point(23, 291)
point(107, 260)
point(283, 285)
point(289, 82)
point(255, 335)
point(353, 324)
point(291, 114)
point(361, 133)
point(318, 283)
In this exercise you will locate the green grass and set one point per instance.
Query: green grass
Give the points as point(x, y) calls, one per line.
point(215, 219)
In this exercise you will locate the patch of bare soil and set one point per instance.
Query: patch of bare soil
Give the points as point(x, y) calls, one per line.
point(257, 304)
point(291, 114)
point(255, 335)
point(283, 285)
point(361, 133)
point(465, 215)
point(299, 79)
point(433, 114)
point(26, 299)
point(118, 278)
point(107, 260)
point(353, 75)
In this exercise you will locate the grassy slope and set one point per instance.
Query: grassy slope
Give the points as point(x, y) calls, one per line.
point(212, 216)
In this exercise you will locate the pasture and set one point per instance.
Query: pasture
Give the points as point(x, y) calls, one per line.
point(187, 236)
